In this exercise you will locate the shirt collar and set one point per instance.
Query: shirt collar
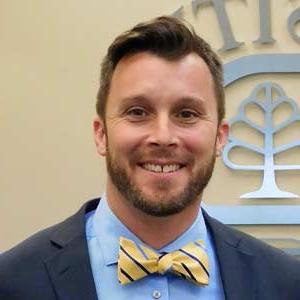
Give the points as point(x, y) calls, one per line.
point(108, 230)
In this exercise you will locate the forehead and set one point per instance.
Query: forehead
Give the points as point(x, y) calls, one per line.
point(149, 75)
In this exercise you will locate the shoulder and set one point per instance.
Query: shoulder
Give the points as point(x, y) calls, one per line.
point(269, 271)
point(25, 263)
point(23, 266)
point(267, 255)
point(28, 252)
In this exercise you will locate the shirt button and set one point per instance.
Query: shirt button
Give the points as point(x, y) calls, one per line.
point(156, 294)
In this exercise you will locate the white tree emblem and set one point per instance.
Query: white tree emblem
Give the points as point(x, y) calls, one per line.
point(269, 188)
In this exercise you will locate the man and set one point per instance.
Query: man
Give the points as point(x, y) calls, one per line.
point(160, 126)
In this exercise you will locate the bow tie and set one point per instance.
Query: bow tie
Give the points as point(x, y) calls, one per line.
point(189, 262)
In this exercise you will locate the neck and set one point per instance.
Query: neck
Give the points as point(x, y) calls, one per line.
point(156, 232)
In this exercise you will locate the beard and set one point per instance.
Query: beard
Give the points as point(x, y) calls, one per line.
point(162, 204)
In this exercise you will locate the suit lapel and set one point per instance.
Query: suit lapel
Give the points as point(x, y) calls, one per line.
point(69, 268)
point(237, 265)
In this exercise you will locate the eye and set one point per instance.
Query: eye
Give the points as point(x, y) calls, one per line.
point(187, 115)
point(136, 113)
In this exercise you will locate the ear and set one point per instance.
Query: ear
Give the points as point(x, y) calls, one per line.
point(222, 137)
point(100, 136)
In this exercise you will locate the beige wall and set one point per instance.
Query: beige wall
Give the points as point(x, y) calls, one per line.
point(49, 57)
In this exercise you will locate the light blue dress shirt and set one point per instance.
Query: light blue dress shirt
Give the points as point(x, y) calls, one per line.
point(103, 230)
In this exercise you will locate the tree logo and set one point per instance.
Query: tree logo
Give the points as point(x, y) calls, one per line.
point(273, 97)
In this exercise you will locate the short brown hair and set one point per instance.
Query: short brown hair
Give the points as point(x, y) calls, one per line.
point(167, 37)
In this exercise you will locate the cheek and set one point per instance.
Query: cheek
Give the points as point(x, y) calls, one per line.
point(123, 140)
point(199, 141)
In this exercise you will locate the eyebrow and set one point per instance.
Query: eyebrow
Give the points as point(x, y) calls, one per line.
point(137, 98)
point(142, 100)
point(192, 100)
point(145, 100)
point(197, 103)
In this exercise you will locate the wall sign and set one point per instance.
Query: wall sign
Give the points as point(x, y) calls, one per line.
point(251, 65)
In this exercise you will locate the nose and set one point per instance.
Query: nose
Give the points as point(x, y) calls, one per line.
point(163, 132)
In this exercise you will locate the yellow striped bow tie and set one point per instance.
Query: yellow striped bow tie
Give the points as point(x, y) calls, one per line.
point(136, 262)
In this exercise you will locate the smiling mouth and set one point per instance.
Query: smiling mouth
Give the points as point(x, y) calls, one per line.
point(158, 168)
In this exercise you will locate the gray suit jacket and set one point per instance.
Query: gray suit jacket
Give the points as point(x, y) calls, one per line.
point(54, 265)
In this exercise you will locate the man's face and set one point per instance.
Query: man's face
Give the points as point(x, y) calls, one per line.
point(161, 132)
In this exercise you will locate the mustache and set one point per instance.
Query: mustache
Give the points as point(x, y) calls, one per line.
point(161, 154)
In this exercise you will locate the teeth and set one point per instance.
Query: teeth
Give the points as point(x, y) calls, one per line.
point(161, 169)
